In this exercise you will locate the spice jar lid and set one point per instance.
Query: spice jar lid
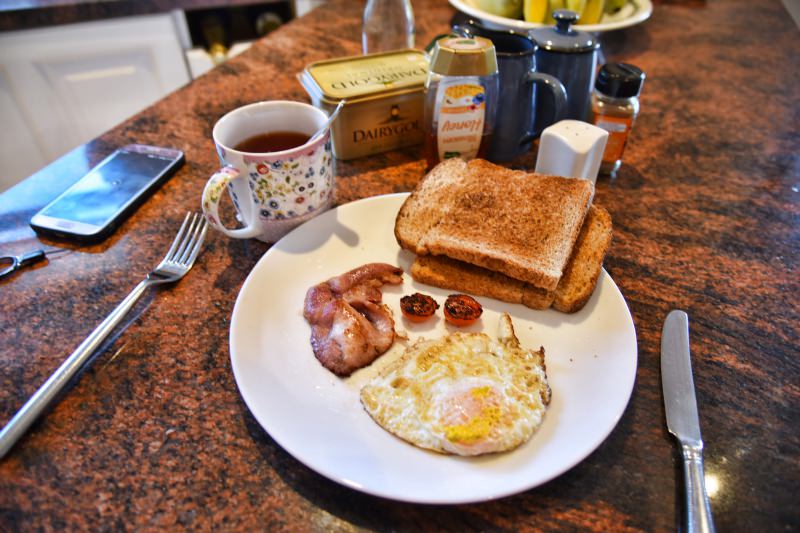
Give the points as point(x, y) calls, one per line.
point(562, 37)
point(460, 56)
point(619, 80)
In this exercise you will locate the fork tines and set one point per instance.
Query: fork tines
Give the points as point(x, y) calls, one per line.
point(187, 242)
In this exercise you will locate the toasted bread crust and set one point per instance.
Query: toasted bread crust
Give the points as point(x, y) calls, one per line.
point(473, 212)
point(536, 298)
point(580, 277)
point(428, 203)
point(574, 289)
point(443, 272)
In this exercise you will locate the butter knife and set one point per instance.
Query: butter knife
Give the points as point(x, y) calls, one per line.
point(682, 419)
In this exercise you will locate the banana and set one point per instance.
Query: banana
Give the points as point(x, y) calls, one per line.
point(552, 7)
point(577, 6)
point(592, 12)
point(535, 10)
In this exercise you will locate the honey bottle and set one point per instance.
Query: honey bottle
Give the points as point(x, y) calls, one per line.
point(461, 93)
point(615, 105)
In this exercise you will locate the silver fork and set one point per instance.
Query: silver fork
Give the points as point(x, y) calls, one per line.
point(176, 264)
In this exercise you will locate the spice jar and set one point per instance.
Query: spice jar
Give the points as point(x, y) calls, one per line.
point(615, 105)
point(461, 93)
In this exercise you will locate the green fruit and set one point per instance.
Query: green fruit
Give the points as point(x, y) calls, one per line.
point(503, 8)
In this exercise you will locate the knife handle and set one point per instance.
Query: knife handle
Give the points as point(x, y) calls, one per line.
point(698, 509)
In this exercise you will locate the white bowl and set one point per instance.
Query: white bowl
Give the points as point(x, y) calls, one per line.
point(634, 12)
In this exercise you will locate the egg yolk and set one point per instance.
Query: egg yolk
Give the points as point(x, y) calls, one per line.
point(470, 416)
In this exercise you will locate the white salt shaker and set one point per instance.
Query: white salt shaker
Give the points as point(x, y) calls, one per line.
point(571, 148)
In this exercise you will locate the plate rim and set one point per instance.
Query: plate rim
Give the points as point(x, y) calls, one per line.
point(331, 474)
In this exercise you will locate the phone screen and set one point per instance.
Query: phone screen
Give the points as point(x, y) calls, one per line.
point(100, 195)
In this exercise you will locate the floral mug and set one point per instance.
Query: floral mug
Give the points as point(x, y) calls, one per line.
point(273, 192)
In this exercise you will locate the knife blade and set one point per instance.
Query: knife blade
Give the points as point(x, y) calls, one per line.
point(680, 405)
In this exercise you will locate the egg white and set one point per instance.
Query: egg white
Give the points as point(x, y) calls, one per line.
point(464, 394)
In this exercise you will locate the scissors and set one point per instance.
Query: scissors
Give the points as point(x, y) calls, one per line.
point(11, 263)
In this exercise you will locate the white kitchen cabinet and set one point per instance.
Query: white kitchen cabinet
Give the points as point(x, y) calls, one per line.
point(304, 6)
point(62, 86)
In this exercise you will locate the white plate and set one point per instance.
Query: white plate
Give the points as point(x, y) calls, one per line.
point(317, 417)
point(634, 12)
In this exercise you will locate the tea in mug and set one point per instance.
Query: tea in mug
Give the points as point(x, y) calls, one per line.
point(274, 141)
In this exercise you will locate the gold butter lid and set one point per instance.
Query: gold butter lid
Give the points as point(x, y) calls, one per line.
point(461, 56)
point(371, 74)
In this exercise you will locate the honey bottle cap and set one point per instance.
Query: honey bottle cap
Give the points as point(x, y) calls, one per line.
point(462, 56)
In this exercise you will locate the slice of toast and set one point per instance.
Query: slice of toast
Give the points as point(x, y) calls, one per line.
point(520, 224)
point(441, 271)
point(572, 293)
point(580, 277)
point(429, 203)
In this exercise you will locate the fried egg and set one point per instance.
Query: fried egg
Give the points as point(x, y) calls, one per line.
point(464, 394)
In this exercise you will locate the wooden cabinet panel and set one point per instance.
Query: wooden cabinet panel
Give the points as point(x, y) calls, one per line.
point(71, 83)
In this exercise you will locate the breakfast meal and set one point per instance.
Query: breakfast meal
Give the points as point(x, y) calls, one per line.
point(350, 327)
point(481, 229)
point(464, 394)
point(515, 236)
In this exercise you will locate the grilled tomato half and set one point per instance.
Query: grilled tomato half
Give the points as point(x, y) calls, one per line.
point(418, 307)
point(462, 310)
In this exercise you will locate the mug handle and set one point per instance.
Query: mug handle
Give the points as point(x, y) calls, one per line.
point(559, 99)
point(212, 194)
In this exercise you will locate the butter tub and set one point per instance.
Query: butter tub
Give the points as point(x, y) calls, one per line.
point(384, 100)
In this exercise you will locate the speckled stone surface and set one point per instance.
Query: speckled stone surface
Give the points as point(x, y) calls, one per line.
point(706, 209)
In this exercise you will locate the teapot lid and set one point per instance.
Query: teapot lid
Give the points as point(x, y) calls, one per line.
point(562, 37)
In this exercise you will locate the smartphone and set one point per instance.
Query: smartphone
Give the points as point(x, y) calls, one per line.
point(92, 208)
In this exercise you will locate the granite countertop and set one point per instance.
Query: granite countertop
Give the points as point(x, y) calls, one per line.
point(706, 213)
